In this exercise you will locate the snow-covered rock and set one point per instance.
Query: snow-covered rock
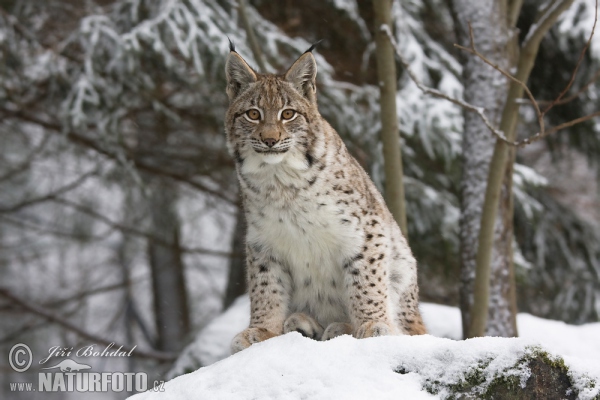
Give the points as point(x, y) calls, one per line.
point(409, 367)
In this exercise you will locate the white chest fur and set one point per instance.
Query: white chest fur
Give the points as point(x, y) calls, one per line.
point(302, 227)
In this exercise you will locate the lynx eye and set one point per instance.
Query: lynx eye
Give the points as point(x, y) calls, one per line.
point(288, 114)
point(253, 114)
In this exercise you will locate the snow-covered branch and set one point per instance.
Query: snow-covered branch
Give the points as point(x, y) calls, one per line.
point(436, 93)
point(543, 132)
point(135, 231)
point(576, 69)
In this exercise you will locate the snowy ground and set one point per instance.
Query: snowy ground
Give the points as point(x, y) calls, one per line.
point(294, 367)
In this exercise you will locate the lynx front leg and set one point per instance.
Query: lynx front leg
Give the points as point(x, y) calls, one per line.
point(366, 283)
point(269, 289)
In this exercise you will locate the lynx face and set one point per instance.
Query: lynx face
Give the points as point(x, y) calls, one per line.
point(268, 118)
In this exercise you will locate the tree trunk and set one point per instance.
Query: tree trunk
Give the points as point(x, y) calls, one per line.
point(502, 313)
point(170, 300)
point(390, 136)
point(252, 41)
point(236, 281)
point(486, 88)
point(171, 311)
point(501, 159)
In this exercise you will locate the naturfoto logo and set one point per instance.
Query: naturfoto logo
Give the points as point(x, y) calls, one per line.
point(72, 376)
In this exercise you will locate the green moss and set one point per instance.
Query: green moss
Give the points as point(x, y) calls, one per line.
point(549, 379)
point(472, 379)
point(509, 384)
point(552, 361)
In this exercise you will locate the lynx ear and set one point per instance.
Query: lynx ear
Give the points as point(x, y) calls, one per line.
point(303, 74)
point(239, 74)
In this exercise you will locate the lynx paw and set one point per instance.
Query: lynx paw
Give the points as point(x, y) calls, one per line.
point(303, 324)
point(248, 337)
point(375, 328)
point(336, 329)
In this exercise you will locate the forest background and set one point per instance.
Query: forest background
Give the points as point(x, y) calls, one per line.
point(120, 217)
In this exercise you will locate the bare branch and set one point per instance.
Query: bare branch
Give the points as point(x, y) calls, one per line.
point(138, 232)
point(47, 197)
point(566, 125)
point(570, 98)
point(473, 50)
point(581, 55)
point(23, 223)
point(436, 93)
point(90, 292)
point(552, 11)
point(581, 90)
point(30, 326)
point(52, 317)
point(90, 143)
point(27, 161)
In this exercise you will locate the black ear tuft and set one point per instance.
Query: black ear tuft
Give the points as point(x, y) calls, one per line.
point(239, 74)
point(314, 45)
point(302, 75)
point(231, 45)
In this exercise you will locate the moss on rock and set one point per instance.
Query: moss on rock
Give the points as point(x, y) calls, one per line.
point(537, 375)
point(548, 380)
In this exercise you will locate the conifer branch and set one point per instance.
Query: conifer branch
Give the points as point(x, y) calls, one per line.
point(256, 51)
point(543, 132)
point(574, 74)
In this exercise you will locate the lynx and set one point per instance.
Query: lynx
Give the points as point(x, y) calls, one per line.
point(324, 254)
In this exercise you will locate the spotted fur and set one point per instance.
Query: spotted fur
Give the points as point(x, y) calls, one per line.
point(324, 255)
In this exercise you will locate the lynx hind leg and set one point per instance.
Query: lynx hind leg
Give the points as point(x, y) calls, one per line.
point(337, 329)
point(374, 329)
point(303, 324)
point(408, 316)
point(413, 324)
point(248, 337)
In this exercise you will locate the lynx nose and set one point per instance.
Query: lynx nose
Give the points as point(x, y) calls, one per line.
point(270, 141)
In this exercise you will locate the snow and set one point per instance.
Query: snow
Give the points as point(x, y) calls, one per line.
point(294, 367)
point(577, 22)
point(561, 338)
point(270, 370)
point(526, 177)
